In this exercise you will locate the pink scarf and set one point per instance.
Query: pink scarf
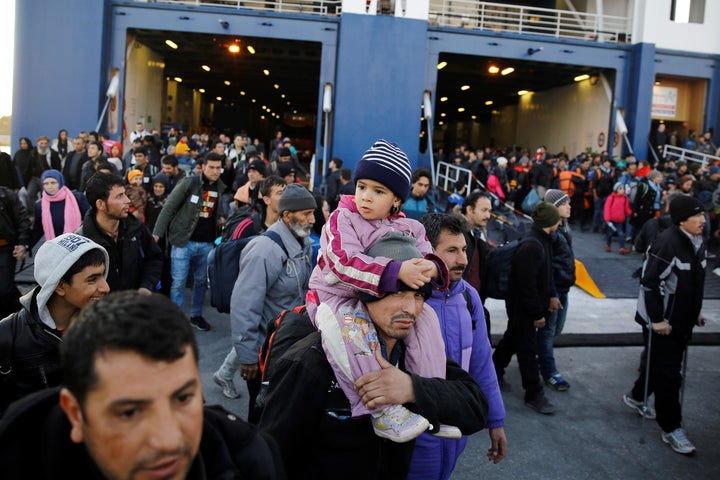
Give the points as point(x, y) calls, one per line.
point(72, 212)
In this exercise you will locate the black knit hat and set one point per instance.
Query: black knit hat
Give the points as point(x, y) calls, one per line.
point(545, 215)
point(684, 207)
point(295, 198)
point(387, 164)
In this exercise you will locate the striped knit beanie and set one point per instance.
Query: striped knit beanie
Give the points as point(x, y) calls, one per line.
point(385, 163)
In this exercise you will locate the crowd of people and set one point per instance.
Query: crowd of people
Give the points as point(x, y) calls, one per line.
point(398, 368)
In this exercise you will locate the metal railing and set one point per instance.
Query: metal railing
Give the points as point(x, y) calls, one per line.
point(313, 7)
point(530, 20)
point(447, 176)
point(671, 152)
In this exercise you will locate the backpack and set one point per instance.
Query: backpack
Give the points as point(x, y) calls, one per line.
point(499, 268)
point(289, 327)
point(224, 268)
point(635, 187)
point(604, 183)
point(242, 218)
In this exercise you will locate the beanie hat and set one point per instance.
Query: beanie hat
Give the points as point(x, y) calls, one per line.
point(161, 178)
point(501, 161)
point(555, 196)
point(617, 186)
point(545, 215)
point(258, 166)
point(53, 259)
point(682, 208)
point(387, 164)
point(53, 174)
point(132, 174)
point(285, 168)
point(284, 152)
point(296, 197)
point(399, 247)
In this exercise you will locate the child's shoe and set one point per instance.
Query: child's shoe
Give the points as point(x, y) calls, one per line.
point(398, 424)
point(447, 431)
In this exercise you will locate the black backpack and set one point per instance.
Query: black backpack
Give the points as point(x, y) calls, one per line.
point(499, 268)
point(605, 183)
point(242, 218)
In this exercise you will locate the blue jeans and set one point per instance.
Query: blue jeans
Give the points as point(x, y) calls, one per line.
point(183, 259)
point(599, 213)
point(620, 228)
point(554, 323)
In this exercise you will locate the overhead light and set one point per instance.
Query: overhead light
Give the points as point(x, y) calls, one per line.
point(443, 99)
point(266, 71)
point(461, 109)
point(206, 68)
point(465, 87)
point(219, 99)
point(178, 79)
point(474, 117)
point(493, 69)
point(282, 95)
point(242, 92)
point(489, 102)
point(251, 49)
point(171, 44)
point(582, 77)
point(522, 92)
point(227, 82)
point(288, 103)
point(441, 122)
point(234, 48)
point(262, 117)
point(294, 112)
point(441, 65)
point(264, 107)
point(201, 90)
point(253, 100)
point(507, 71)
point(657, 82)
point(443, 114)
point(276, 86)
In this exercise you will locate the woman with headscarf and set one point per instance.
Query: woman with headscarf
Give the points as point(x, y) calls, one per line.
point(59, 211)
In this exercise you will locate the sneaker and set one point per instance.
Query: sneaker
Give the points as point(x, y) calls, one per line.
point(541, 405)
point(678, 441)
point(228, 386)
point(200, 323)
point(607, 248)
point(637, 405)
point(504, 385)
point(398, 424)
point(447, 431)
point(624, 251)
point(557, 382)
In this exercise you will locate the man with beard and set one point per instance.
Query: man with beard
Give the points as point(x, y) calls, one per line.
point(276, 270)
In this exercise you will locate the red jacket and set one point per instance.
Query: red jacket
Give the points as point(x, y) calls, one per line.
point(617, 208)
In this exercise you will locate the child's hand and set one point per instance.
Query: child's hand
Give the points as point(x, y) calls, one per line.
point(415, 272)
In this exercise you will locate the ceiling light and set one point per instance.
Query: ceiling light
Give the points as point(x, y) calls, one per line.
point(253, 100)
point(493, 69)
point(227, 82)
point(282, 95)
point(657, 82)
point(443, 114)
point(250, 49)
point(262, 117)
point(276, 86)
point(461, 109)
point(465, 87)
point(507, 71)
point(234, 48)
point(219, 99)
point(441, 123)
point(171, 44)
point(178, 79)
point(201, 90)
point(582, 77)
point(443, 99)
point(288, 103)
point(242, 92)
point(522, 92)
point(441, 65)
point(266, 71)
point(294, 112)
point(206, 68)
point(474, 117)
point(489, 102)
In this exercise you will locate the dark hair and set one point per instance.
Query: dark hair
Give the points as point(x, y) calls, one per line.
point(284, 152)
point(435, 223)
point(150, 325)
point(91, 257)
point(214, 143)
point(269, 182)
point(338, 162)
point(97, 144)
point(142, 150)
point(419, 173)
point(213, 157)
point(99, 185)
point(346, 174)
point(170, 160)
point(472, 199)
point(27, 140)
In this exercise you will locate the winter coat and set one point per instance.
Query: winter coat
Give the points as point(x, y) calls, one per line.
point(307, 413)
point(531, 279)
point(673, 281)
point(269, 282)
point(617, 208)
point(563, 259)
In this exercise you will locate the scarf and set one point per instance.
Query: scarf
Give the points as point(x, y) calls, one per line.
point(72, 212)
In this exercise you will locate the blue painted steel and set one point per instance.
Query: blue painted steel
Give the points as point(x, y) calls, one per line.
point(641, 79)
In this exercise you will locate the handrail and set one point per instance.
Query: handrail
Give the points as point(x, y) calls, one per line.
point(447, 173)
point(519, 19)
point(314, 7)
point(671, 152)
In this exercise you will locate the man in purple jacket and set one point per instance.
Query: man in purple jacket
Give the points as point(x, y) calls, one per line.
point(462, 323)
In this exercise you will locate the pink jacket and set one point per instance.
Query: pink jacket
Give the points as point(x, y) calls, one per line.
point(494, 186)
point(617, 208)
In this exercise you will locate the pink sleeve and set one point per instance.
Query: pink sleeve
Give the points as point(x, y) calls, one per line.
point(608, 208)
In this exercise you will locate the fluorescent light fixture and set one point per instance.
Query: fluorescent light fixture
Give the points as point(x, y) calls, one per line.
point(171, 44)
point(178, 79)
point(443, 99)
point(465, 87)
point(441, 65)
point(493, 69)
point(507, 71)
point(522, 92)
point(227, 82)
point(582, 77)
point(206, 68)
point(266, 72)
point(251, 49)
point(234, 48)
point(488, 102)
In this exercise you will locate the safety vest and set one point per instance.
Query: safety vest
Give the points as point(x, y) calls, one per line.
point(566, 183)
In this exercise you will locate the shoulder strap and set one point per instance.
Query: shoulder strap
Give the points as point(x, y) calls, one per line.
point(275, 237)
point(470, 308)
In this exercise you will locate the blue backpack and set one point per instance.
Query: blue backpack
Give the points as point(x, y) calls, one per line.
point(224, 268)
point(499, 268)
